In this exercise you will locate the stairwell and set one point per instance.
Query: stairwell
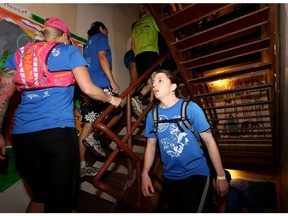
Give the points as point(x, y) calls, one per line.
point(225, 57)
point(225, 54)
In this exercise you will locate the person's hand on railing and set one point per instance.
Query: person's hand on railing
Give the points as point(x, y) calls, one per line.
point(116, 101)
point(115, 87)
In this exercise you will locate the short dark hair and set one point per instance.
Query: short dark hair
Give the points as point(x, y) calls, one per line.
point(95, 28)
point(171, 76)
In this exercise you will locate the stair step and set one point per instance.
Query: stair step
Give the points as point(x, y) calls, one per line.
point(176, 20)
point(89, 203)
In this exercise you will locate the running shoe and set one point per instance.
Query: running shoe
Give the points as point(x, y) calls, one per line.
point(94, 145)
point(137, 105)
point(88, 170)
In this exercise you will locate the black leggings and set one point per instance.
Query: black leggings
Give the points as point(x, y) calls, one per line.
point(47, 160)
point(184, 196)
point(144, 61)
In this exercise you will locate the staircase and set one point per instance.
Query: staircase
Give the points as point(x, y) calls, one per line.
point(226, 57)
point(116, 188)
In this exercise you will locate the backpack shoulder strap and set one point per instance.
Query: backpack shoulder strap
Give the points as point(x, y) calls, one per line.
point(184, 115)
point(186, 122)
point(155, 119)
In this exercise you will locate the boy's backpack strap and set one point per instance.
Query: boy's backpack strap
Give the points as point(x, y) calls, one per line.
point(186, 122)
point(155, 119)
point(183, 118)
point(184, 115)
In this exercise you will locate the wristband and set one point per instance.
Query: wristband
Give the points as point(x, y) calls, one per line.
point(221, 177)
point(111, 100)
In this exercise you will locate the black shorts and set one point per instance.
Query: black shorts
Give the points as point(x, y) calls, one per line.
point(47, 160)
point(184, 196)
point(145, 60)
point(91, 109)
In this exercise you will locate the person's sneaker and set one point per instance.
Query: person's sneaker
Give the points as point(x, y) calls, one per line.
point(137, 105)
point(88, 170)
point(94, 145)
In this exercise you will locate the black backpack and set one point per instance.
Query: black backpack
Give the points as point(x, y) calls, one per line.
point(183, 118)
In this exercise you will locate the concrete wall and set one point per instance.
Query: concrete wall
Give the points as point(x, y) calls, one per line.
point(118, 18)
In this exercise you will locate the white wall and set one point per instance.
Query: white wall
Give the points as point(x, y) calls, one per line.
point(118, 18)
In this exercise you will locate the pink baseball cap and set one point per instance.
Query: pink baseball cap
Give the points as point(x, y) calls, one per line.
point(57, 23)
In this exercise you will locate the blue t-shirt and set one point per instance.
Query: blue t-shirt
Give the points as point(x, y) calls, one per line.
point(97, 43)
point(51, 107)
point(181, 154)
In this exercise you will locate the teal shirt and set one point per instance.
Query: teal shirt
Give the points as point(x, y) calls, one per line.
point(145, 34)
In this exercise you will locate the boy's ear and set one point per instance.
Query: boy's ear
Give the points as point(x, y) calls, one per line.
point(173, 86)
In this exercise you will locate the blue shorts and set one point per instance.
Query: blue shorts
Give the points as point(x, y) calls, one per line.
point(129, 58)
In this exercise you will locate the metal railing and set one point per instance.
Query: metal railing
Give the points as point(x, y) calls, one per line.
point(125, 144)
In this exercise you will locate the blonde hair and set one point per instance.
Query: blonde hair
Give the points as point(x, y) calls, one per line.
point(48, 34)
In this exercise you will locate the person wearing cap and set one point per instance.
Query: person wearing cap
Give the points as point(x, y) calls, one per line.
point(99, 58)
point(45, 142)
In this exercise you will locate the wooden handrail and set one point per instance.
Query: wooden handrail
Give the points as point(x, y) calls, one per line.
point(131, 88)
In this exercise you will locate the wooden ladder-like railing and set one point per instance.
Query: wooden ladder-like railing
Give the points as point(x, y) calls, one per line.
point(232, 45)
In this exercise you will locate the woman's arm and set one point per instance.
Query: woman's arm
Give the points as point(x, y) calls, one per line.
point(107, 70)
point(86, 85)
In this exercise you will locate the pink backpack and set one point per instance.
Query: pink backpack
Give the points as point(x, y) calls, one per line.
point(32, 71)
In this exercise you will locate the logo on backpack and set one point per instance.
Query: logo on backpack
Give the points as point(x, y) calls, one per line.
point(32, 71)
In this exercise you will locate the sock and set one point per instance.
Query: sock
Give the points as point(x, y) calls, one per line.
point(82, 164)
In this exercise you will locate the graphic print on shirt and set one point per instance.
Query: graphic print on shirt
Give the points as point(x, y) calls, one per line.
point(56, 52)
point(176, 141)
